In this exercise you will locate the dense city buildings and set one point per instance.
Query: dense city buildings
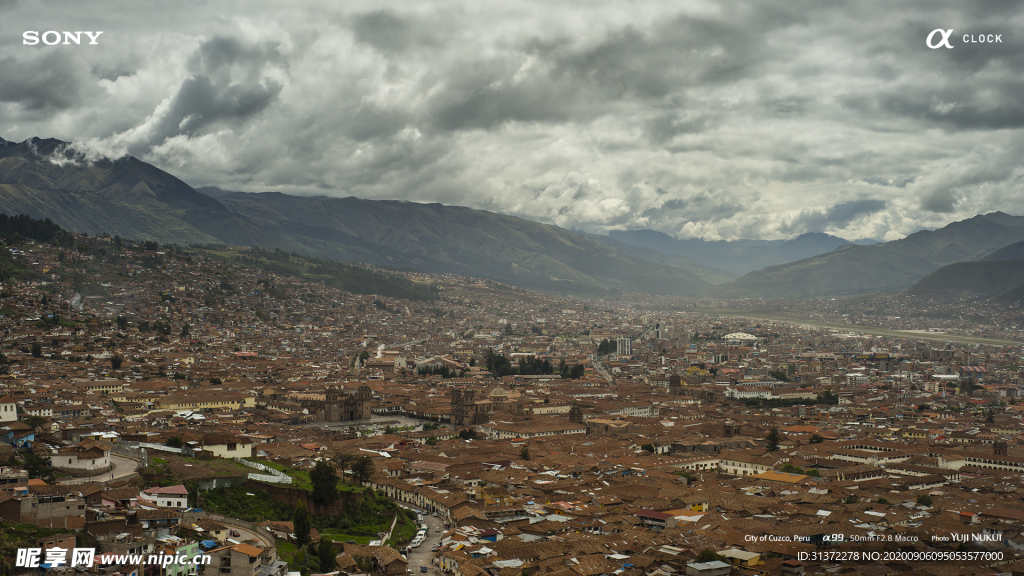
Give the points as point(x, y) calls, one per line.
point(181, 400)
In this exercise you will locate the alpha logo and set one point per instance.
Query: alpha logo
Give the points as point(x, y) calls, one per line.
point(943, 42)
point(968, 39)
point(53, 37)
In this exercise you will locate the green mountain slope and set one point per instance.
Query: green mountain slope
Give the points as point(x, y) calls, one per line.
point(888, 267)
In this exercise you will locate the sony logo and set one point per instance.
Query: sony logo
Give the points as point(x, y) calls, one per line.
point(52, 37)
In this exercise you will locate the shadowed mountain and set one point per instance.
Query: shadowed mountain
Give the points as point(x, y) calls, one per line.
point(42, 179)
point(458, 240)
point(1013, 251)
point(47, 179)
point(888, 267)
point(738, 256)
point(706, 273)
point(1001, 280)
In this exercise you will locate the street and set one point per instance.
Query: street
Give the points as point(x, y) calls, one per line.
point(421, 556)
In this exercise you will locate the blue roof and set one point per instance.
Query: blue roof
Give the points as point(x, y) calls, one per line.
point(209, 543)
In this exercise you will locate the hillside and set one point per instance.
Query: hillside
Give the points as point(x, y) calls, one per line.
point(735, 257)
point(1013, 251)
point(452, 239)
point(881, 268)
point(127, 197)
point(999, 279)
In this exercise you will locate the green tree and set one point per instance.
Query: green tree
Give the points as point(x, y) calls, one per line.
point(175, 442)
point(325, 482)
point(816, 439)
point(648, 447)
point(709, 555)
point(524, 453)
point(326, 553)
point(39, 467)
point(577, 372)
point(342, 459)
point(33, 421)
point(362, 469)
point(115, 361)
point(772, 440)
point(924, 500)
point(990, 418)
point(302, 526)
point(431, 440)
point(37, 350)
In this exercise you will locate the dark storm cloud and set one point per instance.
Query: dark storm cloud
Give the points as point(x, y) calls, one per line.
point(384, 30)
point(836, 216)
point(940, 201)
point(222, 53)
point(50, 80)
point(227, 87)
point(199, 103)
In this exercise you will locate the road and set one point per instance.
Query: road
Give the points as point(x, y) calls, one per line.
point(422, 556)
point(244, 534)
point(121, 467)
point(599, 366)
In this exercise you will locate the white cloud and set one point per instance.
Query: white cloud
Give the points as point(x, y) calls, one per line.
point(722, 121)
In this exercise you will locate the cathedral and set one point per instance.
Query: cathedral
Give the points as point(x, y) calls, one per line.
point(468, 410)
point(339, 405)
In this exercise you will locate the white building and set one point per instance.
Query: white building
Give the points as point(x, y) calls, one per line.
point(624, 346)
point(165, 497)
point(88, 456)
point(8, 409)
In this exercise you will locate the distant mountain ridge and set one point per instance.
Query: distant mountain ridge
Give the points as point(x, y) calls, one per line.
point(882, 268)
point(735, 257)
point(46, 179)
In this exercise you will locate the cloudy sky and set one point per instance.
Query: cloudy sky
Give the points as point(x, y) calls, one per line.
point(718, 120)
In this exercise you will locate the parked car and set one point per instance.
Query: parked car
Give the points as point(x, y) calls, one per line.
point(235, 534)
point(423, 569)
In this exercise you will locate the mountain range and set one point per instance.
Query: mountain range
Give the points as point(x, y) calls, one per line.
point(736, 257)
point(882, 268)
point(128, 197)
